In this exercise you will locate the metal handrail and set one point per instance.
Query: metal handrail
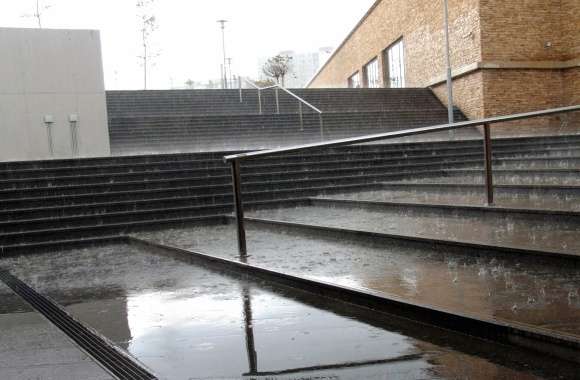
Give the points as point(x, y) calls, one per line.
point(298, 98)
point(235, 159)
point(404, 133)
point(277, 87)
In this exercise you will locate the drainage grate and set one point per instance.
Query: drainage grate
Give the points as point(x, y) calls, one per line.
point(118, 364)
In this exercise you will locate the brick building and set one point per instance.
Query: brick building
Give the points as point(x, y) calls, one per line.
point(506, 56)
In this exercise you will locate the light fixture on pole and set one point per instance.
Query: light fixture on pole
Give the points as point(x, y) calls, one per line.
point(224, 73)
point(448, 57)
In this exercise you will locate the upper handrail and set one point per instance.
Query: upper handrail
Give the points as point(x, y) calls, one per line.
point(251, 84)
point(285, 90)
point(397, 134)
point(298, 98)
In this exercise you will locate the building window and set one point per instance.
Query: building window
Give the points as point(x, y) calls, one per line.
point(395, 57)
point(354, 81)
point(372, 74)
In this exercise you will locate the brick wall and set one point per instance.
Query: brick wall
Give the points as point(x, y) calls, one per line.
point(421, 24)
point(467, 94)
point(483, 32)
point(515, 91)
point(518, 30)
point(571, 28)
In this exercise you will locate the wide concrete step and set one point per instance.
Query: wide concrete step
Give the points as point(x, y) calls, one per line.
point(546, 176)
point(269, 180)
point(107, 206)
point(252, 173)
point(217, 168)
point(49, 237)
point(509, 230)
point(206, 194)
point(543, 197)
point(10, 231)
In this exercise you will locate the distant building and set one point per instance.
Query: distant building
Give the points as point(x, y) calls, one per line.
point(506, 56)
point(52, 95)
point(303, 66)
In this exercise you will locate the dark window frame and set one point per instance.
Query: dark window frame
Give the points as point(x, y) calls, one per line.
point(387, 64)
point(351, 82)
point(377, 73)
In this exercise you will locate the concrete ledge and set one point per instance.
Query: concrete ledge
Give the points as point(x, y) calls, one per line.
point(505, 65)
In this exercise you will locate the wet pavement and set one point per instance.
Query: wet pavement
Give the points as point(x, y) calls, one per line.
point(465, 197)
point(187, 322)
point(536, 291)
point(513, 231)
point(32, 348)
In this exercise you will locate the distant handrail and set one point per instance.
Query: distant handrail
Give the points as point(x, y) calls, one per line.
point(404, 133)
point(235, 159)
point(277, 87)
point(298, 97)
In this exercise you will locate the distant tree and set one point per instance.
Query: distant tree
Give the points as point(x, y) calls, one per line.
point(264, 82)
point(41, 6)
point(147, 25)
point(189, 83)
point(210, 85)
point(277, 67)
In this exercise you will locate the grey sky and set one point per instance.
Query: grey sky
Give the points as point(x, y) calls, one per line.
point(188, 37)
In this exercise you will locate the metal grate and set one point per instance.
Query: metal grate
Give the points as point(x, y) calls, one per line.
point(117, 363)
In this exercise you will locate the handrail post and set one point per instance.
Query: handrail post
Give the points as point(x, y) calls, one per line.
point(239, 208)
point(277, 102)
point(301, 116)
point(321, 127)
point(240, 86)
point(488, 164)
point(260, 101)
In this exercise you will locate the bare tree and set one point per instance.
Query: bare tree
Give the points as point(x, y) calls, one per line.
point(190, 84)
point(264, 82)
point(277, 67)
point(38, 12)
point(148, 25)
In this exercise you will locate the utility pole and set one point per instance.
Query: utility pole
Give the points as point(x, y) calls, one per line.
point(448, 58)
point(37, 14)
point(230, 69)
point(144, 60)
point(225, 76)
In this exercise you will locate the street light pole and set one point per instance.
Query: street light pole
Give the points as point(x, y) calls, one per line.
point(230, 69)
point(225, 76)
point(448, 57)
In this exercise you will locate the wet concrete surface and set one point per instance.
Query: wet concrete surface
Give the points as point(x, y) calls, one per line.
point(476, 198)
point(517, 177)
point(522, 232)
point(537, 291)
point(32, 348)
point(186, 322)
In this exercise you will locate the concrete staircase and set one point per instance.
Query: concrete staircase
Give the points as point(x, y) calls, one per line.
point(201, 120)
point(405, 221)
point(47, 203)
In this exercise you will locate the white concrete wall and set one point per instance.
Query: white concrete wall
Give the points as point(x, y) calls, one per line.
point(51, 72)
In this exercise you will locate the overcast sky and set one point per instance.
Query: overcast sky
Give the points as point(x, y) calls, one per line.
point(188, 38)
